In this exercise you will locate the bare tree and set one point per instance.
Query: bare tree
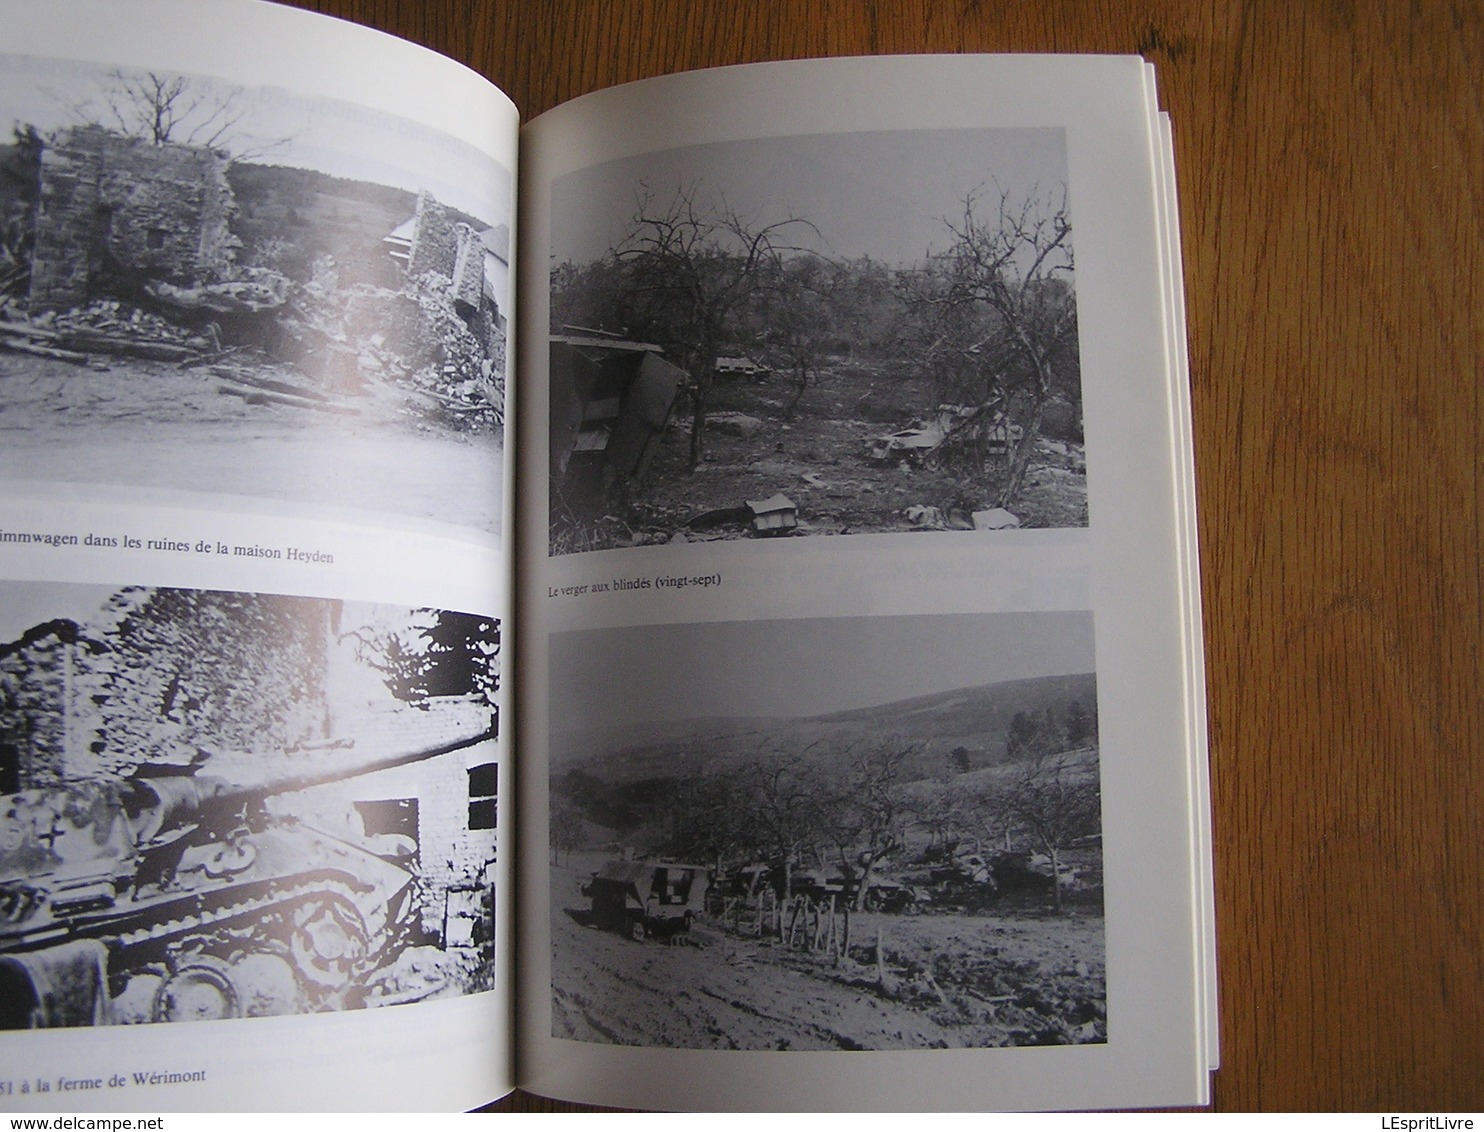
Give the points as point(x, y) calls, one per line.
point(1001, 312)
point(786, 806)
point(870, 810)
point(691, 269)
point(993, 819)
point(939, 806)
point(1057, 802)
point(799, 294)
point(162, 109)
point(708, 818)
point(566, 832)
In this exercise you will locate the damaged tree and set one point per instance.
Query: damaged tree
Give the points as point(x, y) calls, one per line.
point(1057, 803)
point(164, 109)
point(687, 272)
point(1000, 317)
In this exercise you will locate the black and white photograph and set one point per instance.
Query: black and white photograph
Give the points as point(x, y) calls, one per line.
point(815, 335)
point(244, 291)
point(803, 851)
point(219, 805)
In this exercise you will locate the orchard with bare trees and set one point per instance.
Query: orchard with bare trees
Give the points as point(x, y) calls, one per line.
point(939, 886)
point(940, 392)
point(851, 809)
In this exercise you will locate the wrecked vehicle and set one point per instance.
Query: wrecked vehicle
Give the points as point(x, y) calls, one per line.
point(965, 868)
point(641, 899)
point(257, 291)
point(912, 444)
point(965, 879)
point(885, 895)
point(745, 882)
point(983, 428)
point(818, 885)
point(610, 401)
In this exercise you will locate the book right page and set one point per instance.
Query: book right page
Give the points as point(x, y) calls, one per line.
point(854, 707)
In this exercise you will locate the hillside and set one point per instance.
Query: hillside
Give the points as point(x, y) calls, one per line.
point(974, 719)
point(289, 218)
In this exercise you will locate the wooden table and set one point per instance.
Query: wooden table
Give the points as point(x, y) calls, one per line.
point(1331, 170)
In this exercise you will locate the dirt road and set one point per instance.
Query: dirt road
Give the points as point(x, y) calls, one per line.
point(156, 425)
point(953, 981)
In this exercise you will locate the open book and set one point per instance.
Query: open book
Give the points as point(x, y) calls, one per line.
point(800, 628)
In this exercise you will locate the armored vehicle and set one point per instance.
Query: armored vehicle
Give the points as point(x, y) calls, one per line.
point(886, 895)
point(168, 897)
point(647, 898)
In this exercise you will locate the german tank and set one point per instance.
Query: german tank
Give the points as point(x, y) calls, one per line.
point(176, 897)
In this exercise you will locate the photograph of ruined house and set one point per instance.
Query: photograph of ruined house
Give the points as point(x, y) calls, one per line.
point(230, 805)
point(834, 334)
point(818, 854)
point(244, 291)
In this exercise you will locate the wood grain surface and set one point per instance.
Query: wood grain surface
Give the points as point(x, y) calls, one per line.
point(1330, 158)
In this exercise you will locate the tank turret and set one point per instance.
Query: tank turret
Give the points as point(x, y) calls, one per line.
point(176, 896)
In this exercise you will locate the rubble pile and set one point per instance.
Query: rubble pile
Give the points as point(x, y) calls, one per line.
point(367, 333)
point(455, 370)
point(103, 327)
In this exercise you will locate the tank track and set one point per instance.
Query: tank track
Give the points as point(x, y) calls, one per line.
point(208, 919)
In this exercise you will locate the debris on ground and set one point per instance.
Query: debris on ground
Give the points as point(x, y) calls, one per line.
point(776, 515)
point(995, 519)
point(103, 327)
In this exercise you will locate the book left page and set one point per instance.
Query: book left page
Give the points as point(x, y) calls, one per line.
point(255, 306)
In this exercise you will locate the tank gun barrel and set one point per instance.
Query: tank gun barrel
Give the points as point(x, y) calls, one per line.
point(290, 784)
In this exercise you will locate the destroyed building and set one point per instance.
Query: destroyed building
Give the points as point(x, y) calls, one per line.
point(475, 263)
point(114, 210)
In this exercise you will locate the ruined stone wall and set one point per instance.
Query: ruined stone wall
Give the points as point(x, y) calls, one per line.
point(240, 676)
point(461, 338)
point(67, 249)
point(468, 271)
point(110, 204)
point(435, 240)
point(160, 676)
point(35, 681)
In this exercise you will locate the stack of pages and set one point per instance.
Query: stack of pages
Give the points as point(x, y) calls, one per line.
point(710, 621)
